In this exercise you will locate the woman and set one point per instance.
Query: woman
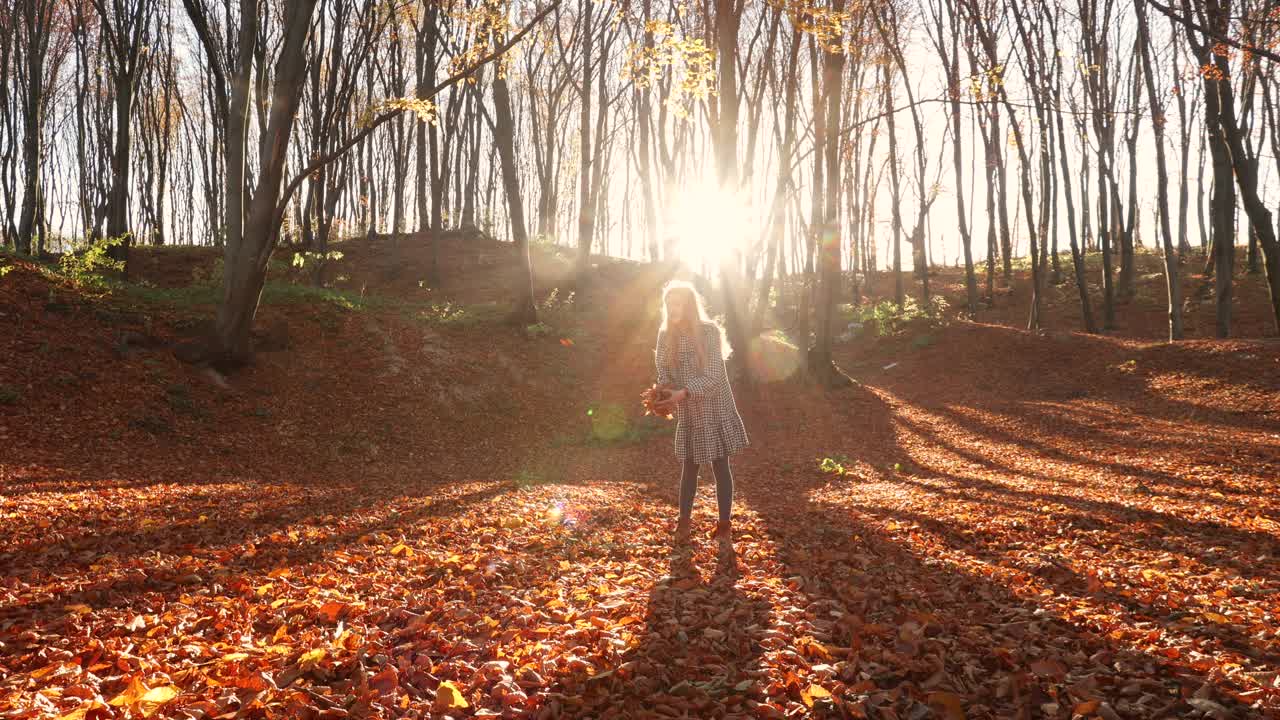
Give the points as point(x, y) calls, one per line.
point(690, 358)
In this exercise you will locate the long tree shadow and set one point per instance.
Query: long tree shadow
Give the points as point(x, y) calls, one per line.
point(1198, 536)
point(1039, 438)
point(1029, 464)
point(1180, 619)
point(942, 608)
point(210, 516)
point(919, 624)
point(221, 551)
point(1158, 531)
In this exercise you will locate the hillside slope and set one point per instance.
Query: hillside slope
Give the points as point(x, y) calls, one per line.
point(413, 504)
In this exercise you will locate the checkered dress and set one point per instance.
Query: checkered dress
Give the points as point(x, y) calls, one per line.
point(708, 426)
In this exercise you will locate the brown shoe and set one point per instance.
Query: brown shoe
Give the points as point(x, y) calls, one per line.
point(682, 532)
point(724, 532)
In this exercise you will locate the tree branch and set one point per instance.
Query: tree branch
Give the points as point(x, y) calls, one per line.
point(376, 123)
point(842, 132)
point(1187, 22)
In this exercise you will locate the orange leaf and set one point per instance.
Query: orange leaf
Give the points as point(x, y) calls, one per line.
point(1088, 707)
point(951, 704)
point(147, 700)
point(449, 697)
point(331, 610)
point(132, 693)
point(155, 697)
point(311, 658)
point(385, 682)
point(813, 693)
point(255, 682)
point(80, 712)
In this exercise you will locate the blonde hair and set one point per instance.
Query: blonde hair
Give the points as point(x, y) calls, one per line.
point(691, 323)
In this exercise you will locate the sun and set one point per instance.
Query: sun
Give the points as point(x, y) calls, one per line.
point(709, 224)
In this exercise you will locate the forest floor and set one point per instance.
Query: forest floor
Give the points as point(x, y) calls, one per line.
point(406, 507)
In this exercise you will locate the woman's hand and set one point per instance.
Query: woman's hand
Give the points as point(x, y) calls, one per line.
point(657, 400)
point(667, 404)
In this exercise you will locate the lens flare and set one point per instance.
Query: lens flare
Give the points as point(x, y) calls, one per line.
point(772, 358)
point(609, 422)
point(710, 224)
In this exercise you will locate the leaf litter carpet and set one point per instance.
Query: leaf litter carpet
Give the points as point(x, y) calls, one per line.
point(1002, 525)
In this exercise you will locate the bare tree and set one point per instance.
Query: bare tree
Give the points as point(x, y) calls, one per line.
point(126, 26)
point(951, 65)
point(1173, 287)
point(1230, 156)
point(35, 22)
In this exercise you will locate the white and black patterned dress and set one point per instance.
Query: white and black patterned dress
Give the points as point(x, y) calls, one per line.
point(708, 426)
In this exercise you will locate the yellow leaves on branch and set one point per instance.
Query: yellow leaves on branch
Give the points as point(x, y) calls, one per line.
point(809, 17)
point(424, 109)
point(689, 61)
point(982, 86)
point(487, 25)
point(836, 30)
point(1211, 72)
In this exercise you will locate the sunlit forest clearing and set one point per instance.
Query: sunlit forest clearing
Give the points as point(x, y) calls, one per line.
point(325, 328)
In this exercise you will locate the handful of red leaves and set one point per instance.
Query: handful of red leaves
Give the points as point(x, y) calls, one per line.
point(657, 401)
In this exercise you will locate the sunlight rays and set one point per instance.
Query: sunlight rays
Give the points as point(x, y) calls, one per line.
point(710, 224)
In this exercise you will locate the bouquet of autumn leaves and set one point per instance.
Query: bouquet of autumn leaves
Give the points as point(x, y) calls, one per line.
point(657, 400)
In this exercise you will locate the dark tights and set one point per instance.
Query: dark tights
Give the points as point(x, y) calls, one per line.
point(724, 487)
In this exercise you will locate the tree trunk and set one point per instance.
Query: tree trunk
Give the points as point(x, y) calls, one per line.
point(820, 361)
point(36, 18)
point(1077, 255)
point(1184, 143)
point(895, 189)
point(252, 235)
point(805, 288)
point(1173, 287)
point(778, 212)
point(646, 152)
point(1128, 269)
point(118, 204)
point(1221, 209)
point(728, 16)
point(586, 217)
point(1230, 157)
point(525, 311)
point(1105, 234)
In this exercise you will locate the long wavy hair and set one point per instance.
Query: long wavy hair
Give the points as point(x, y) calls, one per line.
point(682, 291)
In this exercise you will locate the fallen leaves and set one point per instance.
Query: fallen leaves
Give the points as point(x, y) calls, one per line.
point(449, 698)
point(311, 658)
point(142, 699)
point(995, 546)
point(952, 705)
